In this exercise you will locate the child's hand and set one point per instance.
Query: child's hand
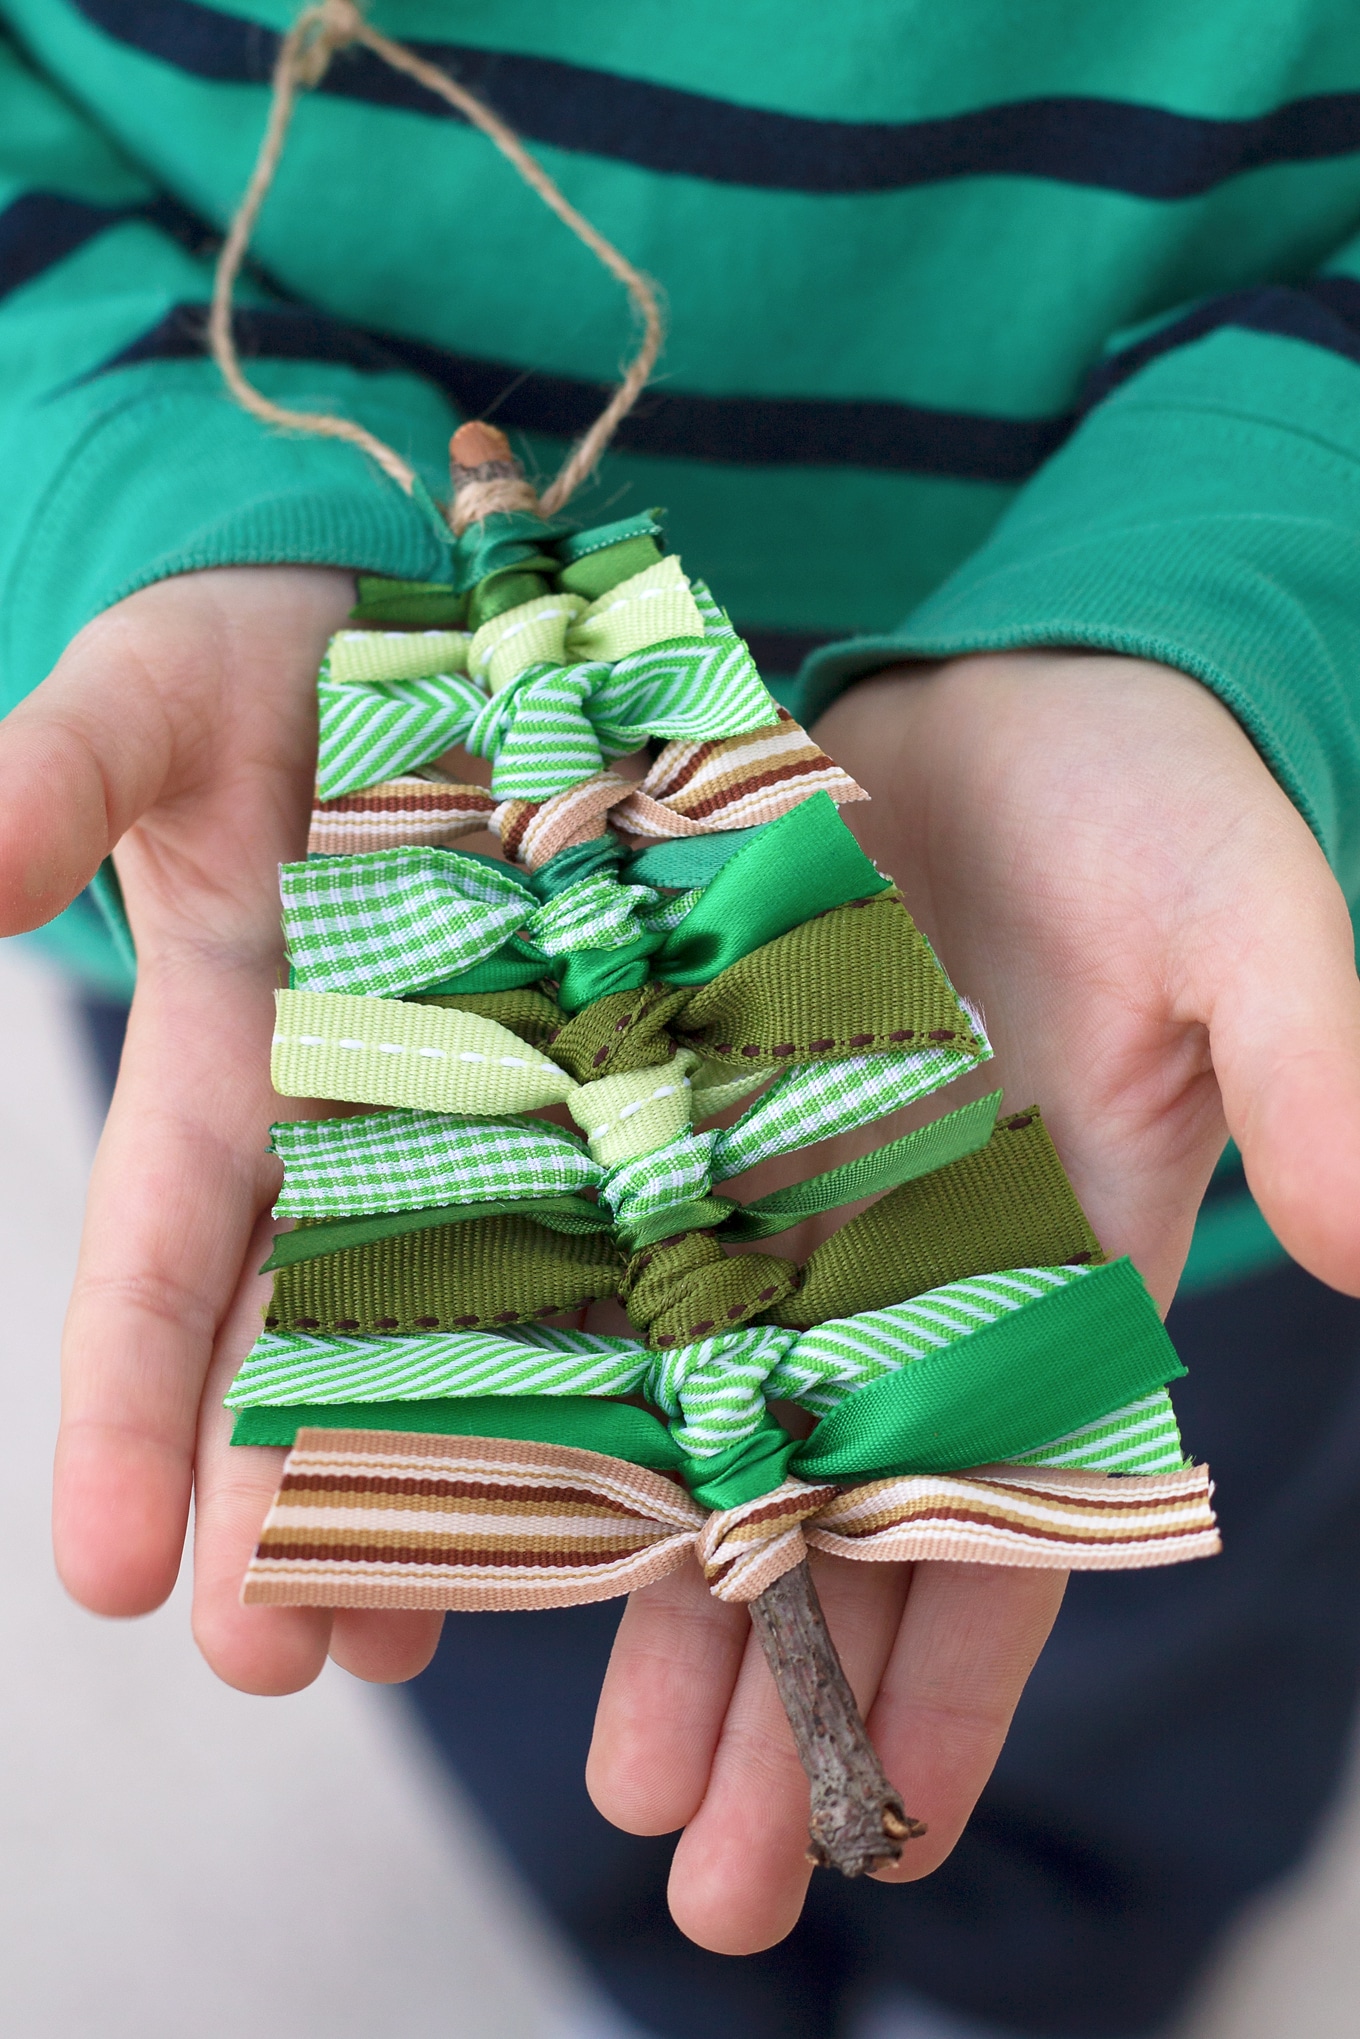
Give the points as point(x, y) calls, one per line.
point(1105, 864)
point(1109, 869)
point(180, 725)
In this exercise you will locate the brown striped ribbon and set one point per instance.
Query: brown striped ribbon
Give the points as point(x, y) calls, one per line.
point(389, 1519)
point(691, 789)
point(397, 812)
point(738, 782)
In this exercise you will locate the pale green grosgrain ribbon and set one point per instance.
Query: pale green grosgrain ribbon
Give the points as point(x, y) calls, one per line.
point(393, 921)
point(715, 1390)
point(394, 654)
point(380, 1051)
point(552, 723)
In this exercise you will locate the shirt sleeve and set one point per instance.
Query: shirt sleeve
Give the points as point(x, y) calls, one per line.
point(120, 470)
point(1204, 513)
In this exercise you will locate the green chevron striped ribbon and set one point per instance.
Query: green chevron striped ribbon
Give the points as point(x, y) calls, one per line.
point(552, 724)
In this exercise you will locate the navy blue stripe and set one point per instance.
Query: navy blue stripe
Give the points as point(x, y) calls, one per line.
point(41, 228)
point(1325, 312)
point(741, 431)
point(762, 431)
point(1112, 144)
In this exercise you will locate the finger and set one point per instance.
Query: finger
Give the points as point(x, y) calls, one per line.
point(740, 1872)
point(671, 1672)
point(1284, 1032)
point(967, 1642)
point(180, 1176)
point(263, 1650)
point(384, 1646)
point(141, 702)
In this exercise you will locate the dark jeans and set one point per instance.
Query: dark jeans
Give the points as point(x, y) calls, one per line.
point(1175, 1750)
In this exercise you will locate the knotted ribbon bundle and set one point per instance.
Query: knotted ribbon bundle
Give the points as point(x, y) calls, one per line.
point(646, 955)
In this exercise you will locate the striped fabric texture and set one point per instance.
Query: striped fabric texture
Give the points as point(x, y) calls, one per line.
point(735, 782)
point(385, 1519)
point(373, 732)
point(715, 1389)
point(397, 812)
point(547, 724)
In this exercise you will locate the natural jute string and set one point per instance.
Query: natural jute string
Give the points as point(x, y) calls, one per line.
point(303, 58)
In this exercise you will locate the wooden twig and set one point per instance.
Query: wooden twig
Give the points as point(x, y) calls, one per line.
point(857, 1821)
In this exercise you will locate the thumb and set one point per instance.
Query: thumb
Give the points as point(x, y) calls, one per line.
point(80, 759)
point(1284, 1033)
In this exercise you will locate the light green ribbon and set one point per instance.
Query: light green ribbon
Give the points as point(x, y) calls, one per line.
point(551, 721)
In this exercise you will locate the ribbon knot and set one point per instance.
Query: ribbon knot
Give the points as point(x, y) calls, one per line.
point(403, 920)
point(743, 1550)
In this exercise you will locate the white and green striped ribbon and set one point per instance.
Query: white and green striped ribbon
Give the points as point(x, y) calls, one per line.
point(714, 1390)
point(412, 1161)
point(393, 921)
point(1142, 1438)
point(815, 1101)
point(378, 730)
point(552, 724)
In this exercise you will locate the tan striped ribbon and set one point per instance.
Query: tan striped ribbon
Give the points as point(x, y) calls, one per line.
point(395, 813)
point(737, 782)
point(692, 789)
point(533, 831)
point(386, 1519)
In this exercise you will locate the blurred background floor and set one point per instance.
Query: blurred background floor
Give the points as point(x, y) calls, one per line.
point(177, 1859)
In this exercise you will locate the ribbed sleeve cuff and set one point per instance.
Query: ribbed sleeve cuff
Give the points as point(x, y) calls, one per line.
point(153, 471)
point(1207, 516)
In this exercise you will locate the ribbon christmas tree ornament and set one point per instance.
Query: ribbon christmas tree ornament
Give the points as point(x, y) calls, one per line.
point(690, 962)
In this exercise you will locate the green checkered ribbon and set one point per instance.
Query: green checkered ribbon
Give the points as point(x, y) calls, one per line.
point(817, 1100)
point(416, 1160)
point(552, 724)
point(666, 1179)
point(393, 921)
point(413, 1161)
point(715, 1390)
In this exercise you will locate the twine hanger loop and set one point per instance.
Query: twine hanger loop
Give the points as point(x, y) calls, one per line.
point(303, 59)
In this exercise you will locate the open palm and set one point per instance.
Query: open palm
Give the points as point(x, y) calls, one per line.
point(1104, 863)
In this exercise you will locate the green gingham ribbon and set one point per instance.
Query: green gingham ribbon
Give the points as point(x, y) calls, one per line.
point(416, 1160)
point(713, 1391)
point(393, 921)
point(411, 1161)
point(817, 1100)
point(552, 724)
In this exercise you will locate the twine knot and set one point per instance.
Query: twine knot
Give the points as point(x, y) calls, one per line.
point(319, 33)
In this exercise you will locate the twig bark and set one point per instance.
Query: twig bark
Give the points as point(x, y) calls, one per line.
point(857, 1821)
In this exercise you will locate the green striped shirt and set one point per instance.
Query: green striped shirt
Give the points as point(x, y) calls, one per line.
point(989, 325)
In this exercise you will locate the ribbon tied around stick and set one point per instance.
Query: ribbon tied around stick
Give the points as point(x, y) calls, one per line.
point(374, 1519)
